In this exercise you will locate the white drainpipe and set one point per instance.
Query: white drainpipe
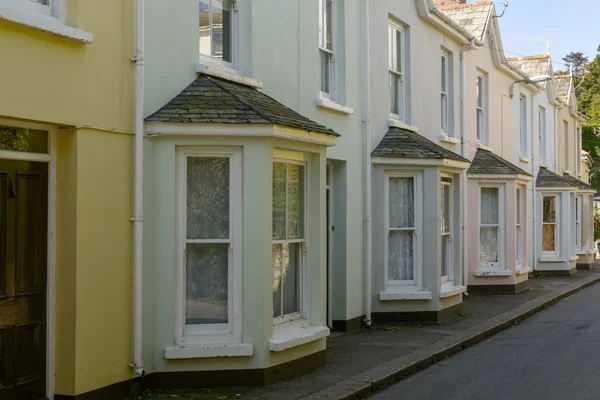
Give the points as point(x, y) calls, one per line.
point(533, 168)
point(367, 159)
point(138, 129)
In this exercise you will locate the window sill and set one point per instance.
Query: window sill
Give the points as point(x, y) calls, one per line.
point(484, 147)
point(297, 337)
point(396, 123)
point(450, 291)
point(566, 171)
point(449, 139)
point(333, 106)
point(551, 259)
point(405, 295)
point(228, 74)
point(573, 258)
point(591, 251)
point(45, 24)
point(524, 159)
point(488, 272)
point(582, 253)
point(520, 270)
point(210, 350)
point(542, 165)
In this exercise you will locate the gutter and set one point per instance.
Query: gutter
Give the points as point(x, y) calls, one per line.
point(367, 218)
point(138, 129)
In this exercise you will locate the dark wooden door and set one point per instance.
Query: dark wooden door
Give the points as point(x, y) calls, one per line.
point(23, 254)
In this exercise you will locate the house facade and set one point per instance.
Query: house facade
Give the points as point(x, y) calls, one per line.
point(65, 187)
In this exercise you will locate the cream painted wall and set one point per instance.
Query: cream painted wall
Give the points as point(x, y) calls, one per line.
point(564, 115)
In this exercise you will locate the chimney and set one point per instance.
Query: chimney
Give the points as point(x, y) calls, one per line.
point(448, 3)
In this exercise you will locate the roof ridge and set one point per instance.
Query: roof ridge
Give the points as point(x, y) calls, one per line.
point(464, 5)
point(533, 57)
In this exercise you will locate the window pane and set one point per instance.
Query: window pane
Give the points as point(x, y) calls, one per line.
point(518, 206)
point(549, 209)
point(445, 254)
point(480, 91)
point(444, 112)
point(325, 71)
point(445, 208)
point(207, 197)
point(401, 202)
point(25, 140)
point(489, 206)
point(400, 255)
point(548, 237)
point(443, 73)
point(329, 24)
point(480, 125)
point(488, 237)
point(277, 272)
point(215, 28)
point(279, 173)
point(204, 28)
point(295, 199)
point(394, 93)
point(207, 274)
point(291, 278)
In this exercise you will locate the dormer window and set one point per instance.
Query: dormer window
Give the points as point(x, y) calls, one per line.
point(216, 29)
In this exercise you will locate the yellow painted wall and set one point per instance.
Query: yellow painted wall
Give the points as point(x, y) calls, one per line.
point(87, 91)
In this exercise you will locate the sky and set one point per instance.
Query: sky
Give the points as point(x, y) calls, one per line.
point(569, 25)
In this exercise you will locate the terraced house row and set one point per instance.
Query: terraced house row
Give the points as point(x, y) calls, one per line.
point(198, 192)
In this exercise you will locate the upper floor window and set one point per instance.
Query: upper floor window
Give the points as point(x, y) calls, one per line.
point(578, 150)
point(326, 46)
point(542, 134)
point(397, 60)
point(566, 144)
point(523, 122)
point(444, 92)
point(39, 7)
point(216, 29)
point(480, 109)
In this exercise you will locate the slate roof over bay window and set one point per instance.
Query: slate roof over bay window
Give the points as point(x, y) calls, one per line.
point(578, 183)
point(216, 101)
point(548, 179)
point(402, 143)
point(487, 163)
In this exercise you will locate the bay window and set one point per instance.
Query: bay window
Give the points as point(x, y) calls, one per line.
point(396, 57)
point(489, 227)
point(549, 225)
point(446, 211)
point(210, 204)
point(403, 230)
point(216, 29)
point(289, 239)
point(326, 46)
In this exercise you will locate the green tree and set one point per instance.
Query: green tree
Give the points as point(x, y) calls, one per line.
point(14, 139)
point(588, 90)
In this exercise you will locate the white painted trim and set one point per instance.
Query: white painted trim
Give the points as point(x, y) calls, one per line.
point(484, 147)
point(501, 176)
point(45, 24)
point(566, 171)
point(550, 259)
point(452, 291)
point(297, 337)
point(489, 272)
point(209, 351)
point(228, 74)
point(23, 156)
point(405, 295)
point(523, 270)
point(449, 139)
point(573, 258)
point(524, 159)
point(396, 123)
point(582, 252)
point(332, 105)
point(421, 162)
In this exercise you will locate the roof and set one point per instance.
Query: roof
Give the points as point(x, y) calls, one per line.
point(547, 178)
point(402, 143)
point(578, 183)
point(487, 163)
point(212, 100)
point(562, 83)
point(532, 65)
point(203, 19)
point(472, 17)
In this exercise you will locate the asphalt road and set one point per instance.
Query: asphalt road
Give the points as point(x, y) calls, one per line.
point(554, 354)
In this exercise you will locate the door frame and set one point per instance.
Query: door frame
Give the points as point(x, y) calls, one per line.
point(329, 190)
point(50, 159)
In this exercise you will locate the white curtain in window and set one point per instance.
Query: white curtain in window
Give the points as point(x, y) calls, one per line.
point(401, 234)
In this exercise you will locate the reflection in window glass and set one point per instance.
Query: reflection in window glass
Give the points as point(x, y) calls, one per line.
point(215, 29)
point(23, 140)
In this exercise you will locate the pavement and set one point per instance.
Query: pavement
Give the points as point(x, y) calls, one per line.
point(362, 363)
point(552, 355)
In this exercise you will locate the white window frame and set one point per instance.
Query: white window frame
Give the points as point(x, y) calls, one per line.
point(210, 333)
point(542, 126)
point(500, 263)
point(417, 282)
point(400, 112)
point(55, 8)
point(520, 232)
point(445, 92)
point(209, 60)
point(578, 210)
point(480, 108)
point(523, 124)
point(285, 320)
point(324, 51)
point(446, 180)
point(556, 223)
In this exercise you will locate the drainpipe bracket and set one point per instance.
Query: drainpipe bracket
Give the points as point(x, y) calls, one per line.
point(136, 219)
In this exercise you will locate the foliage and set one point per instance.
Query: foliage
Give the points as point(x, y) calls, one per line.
point(591, 143)
point(579, 63)
point(596, 223)
point(588, 91)
point(14, 139)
